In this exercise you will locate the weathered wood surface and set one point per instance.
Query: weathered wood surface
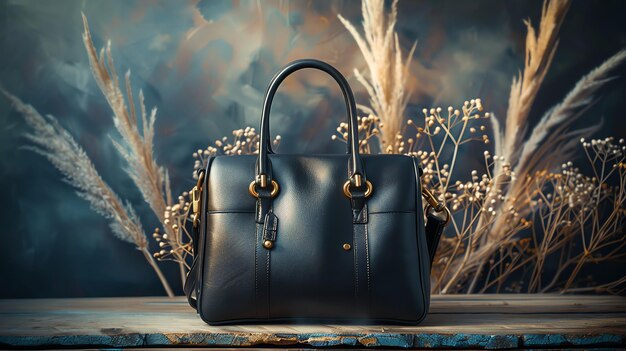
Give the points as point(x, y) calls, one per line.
point(462, 321)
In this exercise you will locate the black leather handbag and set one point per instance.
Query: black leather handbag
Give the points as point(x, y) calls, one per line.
point(312, 238)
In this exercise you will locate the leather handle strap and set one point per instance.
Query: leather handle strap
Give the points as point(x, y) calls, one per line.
point(353, 136)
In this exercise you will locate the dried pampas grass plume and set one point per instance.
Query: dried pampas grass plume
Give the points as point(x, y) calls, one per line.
point(135, 145)
point(523, 171)
point(540, 49)
point(541, 46)
point(551, 140)
point(543, 142)
point(55, 143)
point(388, 72)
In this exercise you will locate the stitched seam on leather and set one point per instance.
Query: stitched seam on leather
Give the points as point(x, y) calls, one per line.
point(418, 203)
point(256, 262)
point(356, 261)
point(367, 260)
point(268, 284)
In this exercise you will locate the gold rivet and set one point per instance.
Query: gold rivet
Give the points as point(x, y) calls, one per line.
point(347, 247)
point(268, 244)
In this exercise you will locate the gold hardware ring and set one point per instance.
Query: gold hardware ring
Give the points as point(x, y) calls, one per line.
point(348, 194)
point(444, 209)
point(432, 200)
point(253, 192)
point(196, 194)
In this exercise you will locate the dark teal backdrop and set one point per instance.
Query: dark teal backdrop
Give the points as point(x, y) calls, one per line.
point(209, 82)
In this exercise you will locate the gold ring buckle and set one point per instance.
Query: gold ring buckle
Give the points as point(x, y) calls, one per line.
point(253, 192)
point(444, 209)
point(432, 200)
point(348, 194)
point(196, 194)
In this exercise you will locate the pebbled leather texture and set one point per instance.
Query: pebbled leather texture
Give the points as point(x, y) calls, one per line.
point(307, 275)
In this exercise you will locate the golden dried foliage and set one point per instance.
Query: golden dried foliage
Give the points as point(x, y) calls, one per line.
point(540, 48)
point(388, 71)
point(522, 210)
point(136, 144)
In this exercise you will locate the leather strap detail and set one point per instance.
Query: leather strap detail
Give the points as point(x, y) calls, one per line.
point(192, 277)
point(359, 207)
point(261, 275)
point(434, 224)
point(434, 229)
point(191, 287)
point(360, 249)
point(270, 226)
point(263, 204)
point(361, 266)
point(265, 218)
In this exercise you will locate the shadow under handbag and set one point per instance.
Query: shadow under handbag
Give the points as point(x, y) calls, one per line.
point(312, 238)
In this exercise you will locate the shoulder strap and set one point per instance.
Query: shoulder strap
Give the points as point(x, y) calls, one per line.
point(434, 229)
point(190, 288)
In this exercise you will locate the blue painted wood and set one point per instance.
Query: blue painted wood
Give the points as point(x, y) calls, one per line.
point(481, 323)
point(451, 341)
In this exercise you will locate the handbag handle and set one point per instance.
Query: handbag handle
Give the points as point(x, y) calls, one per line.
point(355, 172)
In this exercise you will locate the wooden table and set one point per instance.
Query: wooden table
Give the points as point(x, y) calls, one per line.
point(461, 321)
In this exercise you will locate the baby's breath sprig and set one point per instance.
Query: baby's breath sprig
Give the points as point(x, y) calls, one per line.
point(177, 248)
point(243, 141)
point(556, 205)
point(368, 127)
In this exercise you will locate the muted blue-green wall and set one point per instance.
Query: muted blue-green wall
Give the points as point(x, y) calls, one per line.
point(209, 82)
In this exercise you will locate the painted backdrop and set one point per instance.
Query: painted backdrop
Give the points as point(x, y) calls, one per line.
point(205, 65)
